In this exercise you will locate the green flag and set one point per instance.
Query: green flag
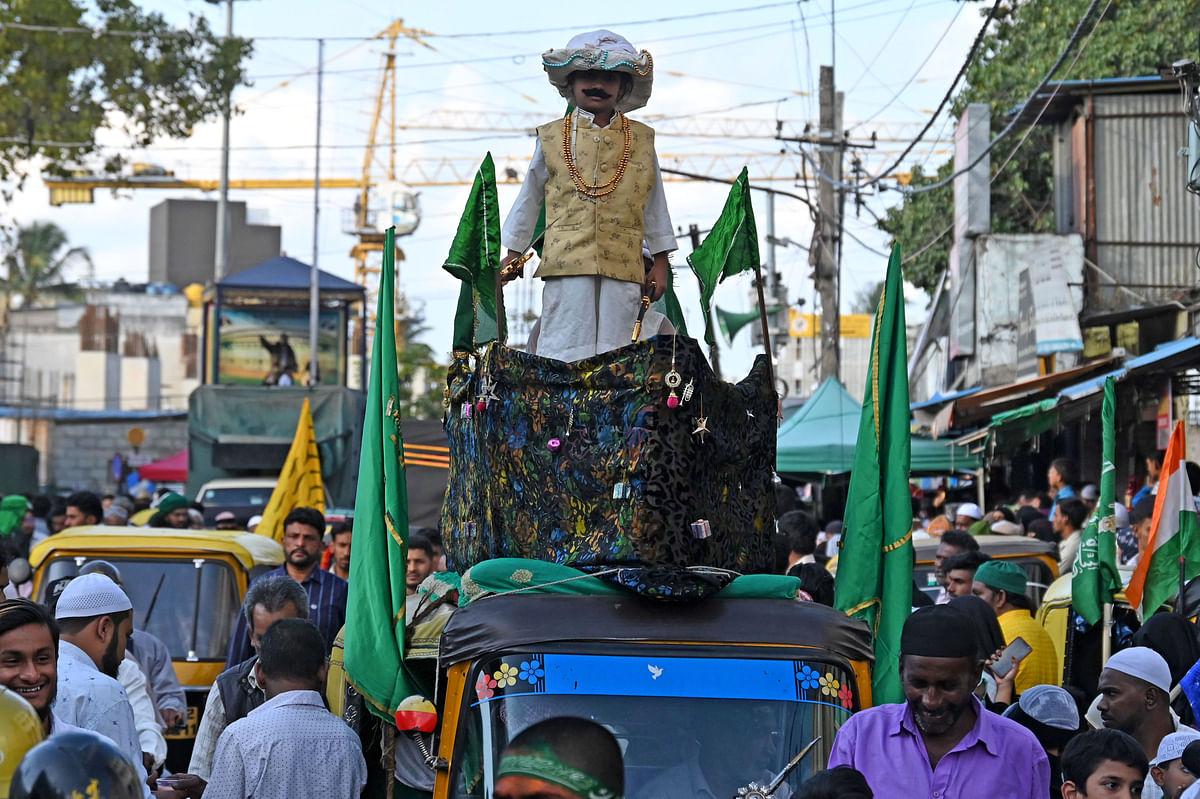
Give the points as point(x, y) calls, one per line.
point(729, 248)
point(474, 259)
point(875, 572)
point(378, 559)
point(1095, 578)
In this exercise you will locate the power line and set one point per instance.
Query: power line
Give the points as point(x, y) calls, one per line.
point(962, 71)
point(908, 83)
point(1028, 132)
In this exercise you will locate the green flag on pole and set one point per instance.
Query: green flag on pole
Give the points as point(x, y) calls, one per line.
point(875, 572)
point(729, 248)
point(1095, 578)
point(378, 560)
point(474, 259)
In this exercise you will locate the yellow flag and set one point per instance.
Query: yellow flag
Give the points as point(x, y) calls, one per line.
point(300, 481)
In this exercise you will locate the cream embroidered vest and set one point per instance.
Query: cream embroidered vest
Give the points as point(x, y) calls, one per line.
point(600, 236)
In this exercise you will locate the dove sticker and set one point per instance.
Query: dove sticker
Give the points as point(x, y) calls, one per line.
point(655, 671)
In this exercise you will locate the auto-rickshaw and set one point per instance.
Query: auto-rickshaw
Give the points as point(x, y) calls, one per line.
point(186, 587)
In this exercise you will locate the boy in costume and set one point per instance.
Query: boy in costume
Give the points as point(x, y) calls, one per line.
point(597, 173)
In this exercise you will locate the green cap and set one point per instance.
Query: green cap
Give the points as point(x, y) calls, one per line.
point(1002, 574)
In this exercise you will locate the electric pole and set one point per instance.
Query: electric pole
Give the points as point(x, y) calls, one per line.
point(221, 261)
point(824, 255)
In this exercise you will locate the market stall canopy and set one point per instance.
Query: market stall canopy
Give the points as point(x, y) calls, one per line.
point(172, 469)
point(820, 439)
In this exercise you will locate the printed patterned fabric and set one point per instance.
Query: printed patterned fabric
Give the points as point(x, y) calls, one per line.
point(584, 464)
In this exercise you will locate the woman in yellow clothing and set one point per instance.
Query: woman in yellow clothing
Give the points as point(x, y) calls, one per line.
point(1002, 585)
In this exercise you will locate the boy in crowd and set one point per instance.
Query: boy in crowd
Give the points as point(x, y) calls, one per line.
point(1103, 763)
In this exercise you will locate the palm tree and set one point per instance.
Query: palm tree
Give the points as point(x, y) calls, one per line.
point(36, 265)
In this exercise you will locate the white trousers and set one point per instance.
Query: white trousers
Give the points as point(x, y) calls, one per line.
point(587, 315)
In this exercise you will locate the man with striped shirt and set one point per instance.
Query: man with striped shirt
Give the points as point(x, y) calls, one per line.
point(303, 532)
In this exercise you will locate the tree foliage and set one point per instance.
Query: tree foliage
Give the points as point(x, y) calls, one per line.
point(38, 263)
point(130, 71)
point(1132, 39)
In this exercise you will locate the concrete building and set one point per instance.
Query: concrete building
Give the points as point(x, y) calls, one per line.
point(183, 236)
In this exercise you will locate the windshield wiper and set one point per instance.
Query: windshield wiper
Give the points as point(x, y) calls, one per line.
point(153, 601)
point(756, 791)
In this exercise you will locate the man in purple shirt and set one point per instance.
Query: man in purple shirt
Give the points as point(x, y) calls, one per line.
point(942, 743)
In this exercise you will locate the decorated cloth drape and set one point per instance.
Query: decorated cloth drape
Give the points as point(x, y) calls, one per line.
point(474, 259)
point(875, 575)
point(378, 560)
point(299, 483)
point(1095, 578)
point(585, 464)
point(731, 247)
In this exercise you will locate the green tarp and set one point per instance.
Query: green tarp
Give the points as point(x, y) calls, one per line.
point(820, 437)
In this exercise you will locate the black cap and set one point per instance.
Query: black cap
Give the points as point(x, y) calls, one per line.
point(939, 631)
point(1191, 757)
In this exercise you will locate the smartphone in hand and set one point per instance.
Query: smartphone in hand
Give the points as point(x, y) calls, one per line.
point(1013, 654)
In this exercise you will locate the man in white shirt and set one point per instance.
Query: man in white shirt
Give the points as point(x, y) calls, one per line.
point(270, 754)
point(95, 618)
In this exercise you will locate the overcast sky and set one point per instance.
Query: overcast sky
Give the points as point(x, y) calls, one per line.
point(760, 60)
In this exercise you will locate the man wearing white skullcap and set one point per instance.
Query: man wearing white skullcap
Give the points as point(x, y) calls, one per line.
point(96, 618)
point(1135, 688)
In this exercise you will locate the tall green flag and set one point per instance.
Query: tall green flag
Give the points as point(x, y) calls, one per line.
point(474, 259)
point(1095, 578)
point(875, 571)
point(729, 248)
point(378, 560)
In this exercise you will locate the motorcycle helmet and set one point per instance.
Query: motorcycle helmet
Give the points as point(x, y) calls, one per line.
point(75, 764)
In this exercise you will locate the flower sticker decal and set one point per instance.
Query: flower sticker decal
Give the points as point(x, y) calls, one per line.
point(829, 685)
point(846, 696)
point(506, 676)
point(532, 671)
point(808, 678)
point(485, 687)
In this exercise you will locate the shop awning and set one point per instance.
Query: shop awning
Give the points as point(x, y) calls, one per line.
point(981, 406)
point(171, 469)
point(820, 439)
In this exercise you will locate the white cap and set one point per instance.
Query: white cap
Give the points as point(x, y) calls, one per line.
point(254, 520)
point(969, 509)
point(1143, 663)
point(91, 595)
point(1120, 515)
point(1171, 747)
point(1050, 705)
point(1089, 492)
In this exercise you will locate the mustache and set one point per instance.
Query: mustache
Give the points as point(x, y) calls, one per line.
point(598, 94)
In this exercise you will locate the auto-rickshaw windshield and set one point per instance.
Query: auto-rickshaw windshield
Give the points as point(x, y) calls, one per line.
point(742, 720)
point(191, 604)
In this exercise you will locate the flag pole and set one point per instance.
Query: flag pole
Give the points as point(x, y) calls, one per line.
point(1182, 585)
point(501, 327)
point(762, 317)
point(1106, 640)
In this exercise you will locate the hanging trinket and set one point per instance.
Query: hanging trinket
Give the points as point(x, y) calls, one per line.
point(487, 392)
point(673, 379)
point(622, 490)
point(701, 529)
point(465, 411)
point(688, 390)
point(701, 423)
point(554, 444)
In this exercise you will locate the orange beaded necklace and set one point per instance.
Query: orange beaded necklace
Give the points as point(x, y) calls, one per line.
point(602, 189)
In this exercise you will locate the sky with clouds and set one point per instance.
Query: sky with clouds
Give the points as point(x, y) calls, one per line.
point(750, 60)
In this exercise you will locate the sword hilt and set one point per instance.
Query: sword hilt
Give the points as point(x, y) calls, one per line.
point(513, 270)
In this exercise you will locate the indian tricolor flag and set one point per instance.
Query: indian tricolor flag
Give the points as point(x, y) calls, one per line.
point(1174, 543)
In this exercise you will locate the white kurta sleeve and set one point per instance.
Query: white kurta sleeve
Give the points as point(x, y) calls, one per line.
point(522, 219)
point(656, 220)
